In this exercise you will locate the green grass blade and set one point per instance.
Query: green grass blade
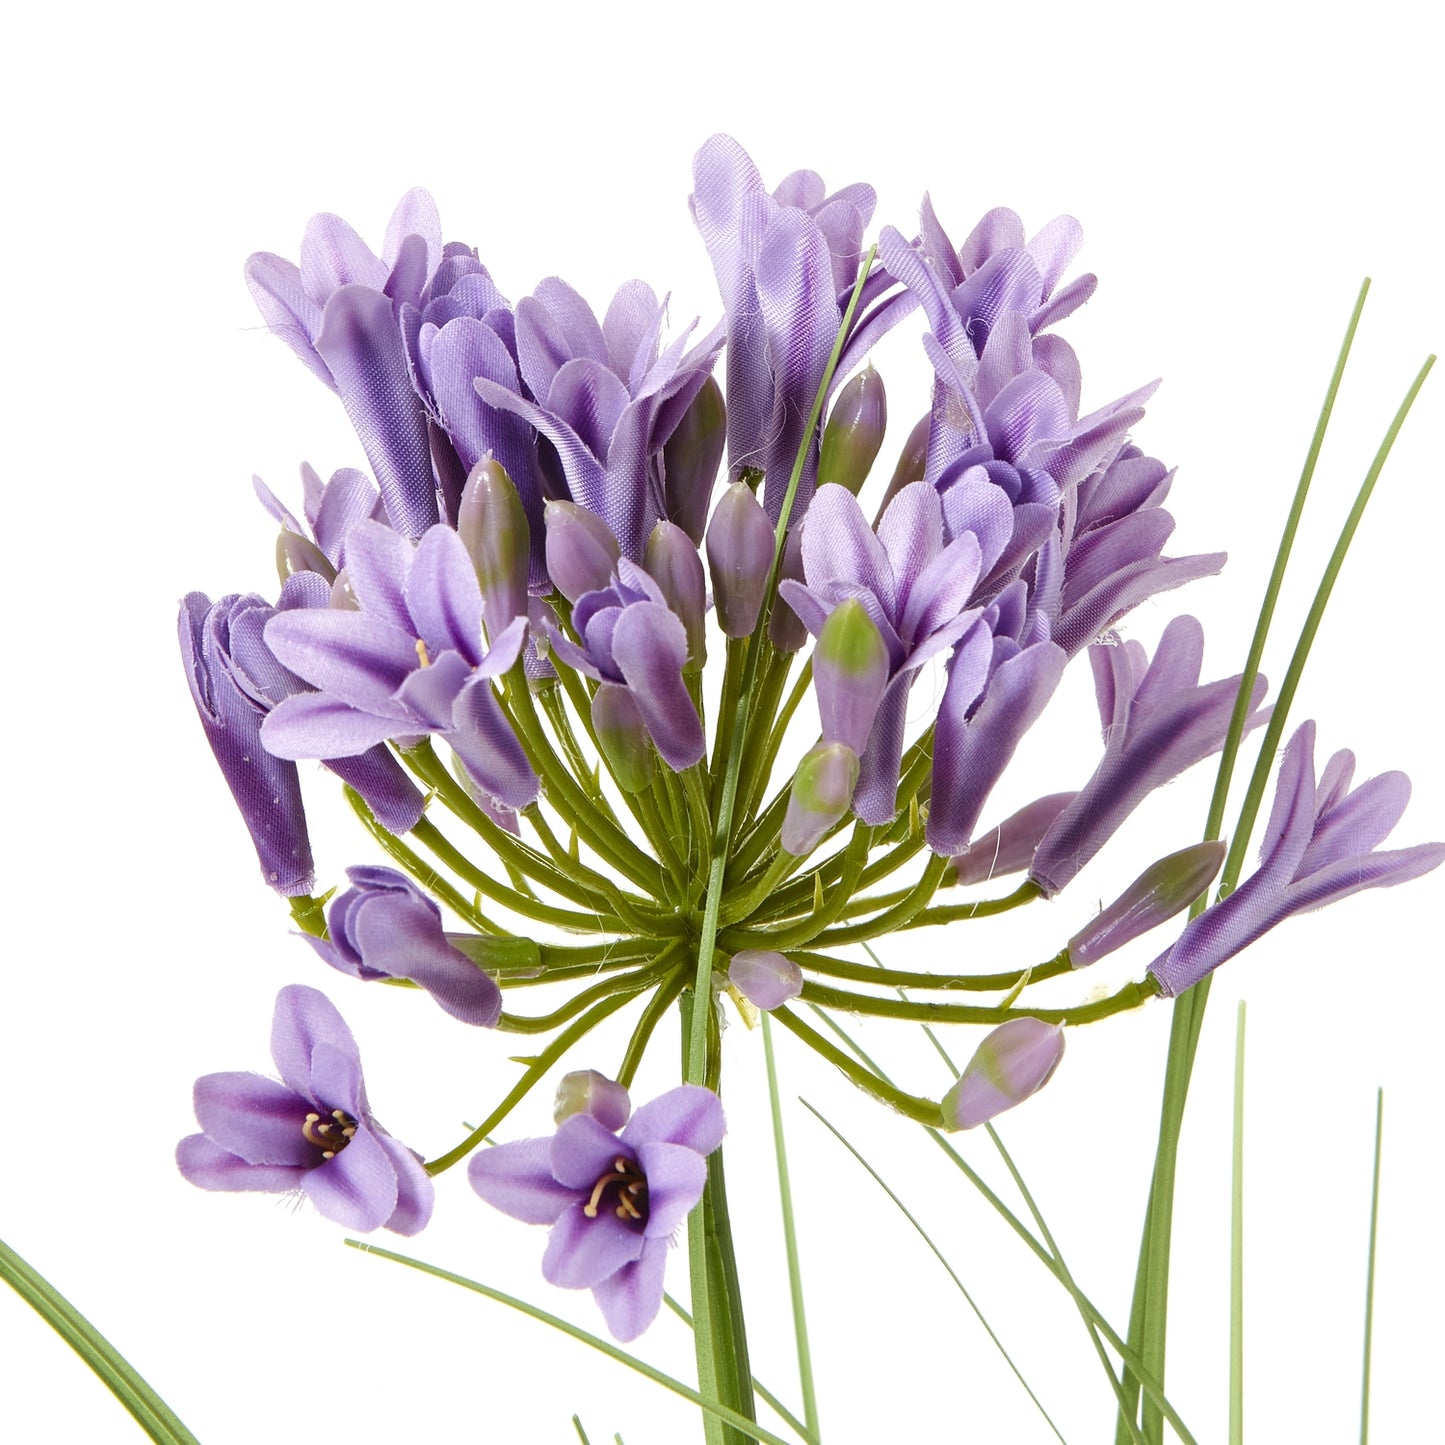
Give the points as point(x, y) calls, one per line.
point(581, 1433)
point(118, 1375)
point(1065, 1277)
point(938, 1254)
point(1116, 1341)
point(790, 1240)
point(1370, 1272)
point(759, 1389)
point(712, 1408)
point(1236, 1246)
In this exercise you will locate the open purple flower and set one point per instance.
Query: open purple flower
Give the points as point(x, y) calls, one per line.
point(312, 1131)
point(408, 662)
point(1320, 846)
point(384, 926)
point(613, 1200)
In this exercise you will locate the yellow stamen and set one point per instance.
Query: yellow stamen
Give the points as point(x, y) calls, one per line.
point(422, 653)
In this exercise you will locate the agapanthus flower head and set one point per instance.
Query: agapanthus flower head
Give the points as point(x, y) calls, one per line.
point(613, 1200)
point(1014, 1062)
point(384, 926)
point(1320, 845)
point(312, 1131)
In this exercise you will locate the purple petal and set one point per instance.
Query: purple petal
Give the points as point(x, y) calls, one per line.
point(650, 647)
point(306, 1019)
point(581, 1252)
point(254, 1118)
point(208, 1166)
point(517, 1179)
point(415, 1192)
point(687, 1115)
point(675, 1178)
point(482, 737)
point(357, 1186)
point(630, 1299)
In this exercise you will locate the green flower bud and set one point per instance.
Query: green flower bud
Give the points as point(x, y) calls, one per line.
point(854, 432)
point(493, 527)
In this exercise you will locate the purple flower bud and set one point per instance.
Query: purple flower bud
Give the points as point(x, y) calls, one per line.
point(622, 735)
point(764, 977)
point(1009, 848)
point(822, 790)
point(740, 557)
point(1017, 1059)
point(587, 1092)
point(493, 526)
point(854, 432)
point(1156, 895)
point(690, 460)
point(384, 926)
point(581, 550)
point(850, 671)
point(295, 553)
point(912, 461)
point(671, 560)
point(786, 629)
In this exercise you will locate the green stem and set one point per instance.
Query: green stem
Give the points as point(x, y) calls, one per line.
point(922, 1111)
point(903, 978)
point(657, 1005)
point(1130, 996)
point(628, 983)
point(902, 915)
point(790, 1239)
point(1236, 1245)
point(536, 1070)
point(815, 925)
point(1370, 1271)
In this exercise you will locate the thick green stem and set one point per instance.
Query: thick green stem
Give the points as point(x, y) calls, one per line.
point(1131, 996)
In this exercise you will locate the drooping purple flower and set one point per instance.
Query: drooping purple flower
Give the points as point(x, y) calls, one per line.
point(338, 311)
point(1319, 846)
point(236, 681)
point(613, 1201)
point(384, 926)
point(1158, 719)
point(1014, 1062)
point(266, 789)
point(312, 1131)
point(915, 587)
point(784, 263)
point(629, 635)
point(605, 396)
point(408, 662)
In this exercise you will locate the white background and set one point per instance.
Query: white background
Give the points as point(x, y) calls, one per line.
point(1237, 172)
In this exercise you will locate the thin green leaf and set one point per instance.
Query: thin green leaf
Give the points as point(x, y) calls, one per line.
point(581, 1433)
point(1370, 1271)
point(1236, 1246)
point(938, 1254)
point(790, 1239)
point(1065, 1277)
point(1116, 1341)
point(116, 1373)
point(713, 1409)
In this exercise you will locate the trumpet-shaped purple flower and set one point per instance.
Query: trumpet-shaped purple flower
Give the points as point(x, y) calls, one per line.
point(915, 586)
point(384, 926)
point(783, 261)
point(604, 396)
point(614, 1201)
point(1319, 846)
point(1158, 720)
point(312, 1131)
point(630, 635)
point(408, 662)
point(337, 311)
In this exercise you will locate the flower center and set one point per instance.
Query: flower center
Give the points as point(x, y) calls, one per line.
point(627, 1186)
point(332, 1136)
